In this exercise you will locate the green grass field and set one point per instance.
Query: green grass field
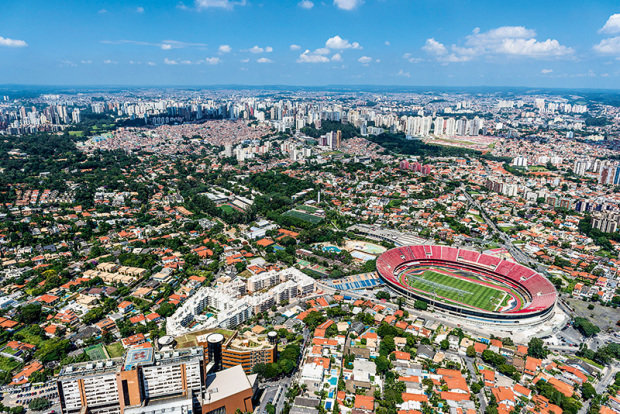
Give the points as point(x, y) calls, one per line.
point(115, 350)
point(96, 352)
point(309, 218)
point(470, 293)
point(306, 208)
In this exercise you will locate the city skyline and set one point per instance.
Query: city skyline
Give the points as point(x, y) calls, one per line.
point(311, 43)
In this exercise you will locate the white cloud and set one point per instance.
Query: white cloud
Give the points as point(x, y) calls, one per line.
point(256, 49)
point(311, 57)
point(140, 9)
point(164, 44)
point(151, 63)
point(612, 26)
point(411, 59)
point(294, 47)
point(170, 61)
point(102, 11)
point(434, 47)
point(610, 46)
point(218, 4)
point(403, 73)
point(110, 62)
point(365, 59)
point(5, 41)
point(67, 63)
point(212, 60)
point(86, 61)
point(264, 60)
point(306, 4)
point(534, 48)
point(185, 62)
point(387, 43)
point(246, 60)
point(336, 57)
point(224, 49)
point(268, 49)
point(339, 43)
point(515, 41)
point(347, 4)
point(322, 51)
point(546, 71)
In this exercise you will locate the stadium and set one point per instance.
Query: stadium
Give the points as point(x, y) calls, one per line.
point(467, 284)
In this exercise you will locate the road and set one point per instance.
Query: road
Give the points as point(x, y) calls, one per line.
point(507, 243)
point(602, 385)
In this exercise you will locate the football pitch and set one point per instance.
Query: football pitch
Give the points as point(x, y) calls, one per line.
point(455, 289)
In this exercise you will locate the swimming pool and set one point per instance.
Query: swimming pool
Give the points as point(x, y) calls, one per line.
point(333, 381)
point(331, 249)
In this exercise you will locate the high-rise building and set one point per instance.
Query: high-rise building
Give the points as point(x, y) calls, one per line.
point(146, 381)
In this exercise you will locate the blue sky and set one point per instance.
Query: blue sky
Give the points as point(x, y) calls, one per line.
point(312, 42)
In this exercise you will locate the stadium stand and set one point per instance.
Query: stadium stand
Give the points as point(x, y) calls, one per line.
point(539, 292)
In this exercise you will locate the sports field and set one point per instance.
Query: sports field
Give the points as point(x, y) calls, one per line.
point(303, 216)
point(96, 352)
point(453, 288)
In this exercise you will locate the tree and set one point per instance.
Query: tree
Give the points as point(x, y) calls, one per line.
point(471, 351)
point(30, 314)
point(39, 404)
point(587, 391)
point(444, 344)
point(536, 348)
point(420, 305)
point(586, 327)
point(166, 309)
point(383, 364)
point(382, 295)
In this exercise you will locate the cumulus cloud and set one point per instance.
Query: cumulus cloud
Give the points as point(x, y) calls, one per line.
point(610, 46)
point(246, 60)
point(151, 63)
point(546, 71)
point(306, 4)
point(170, 61)
point(212, 60)
point(312, 57)
point(264, 60)
point(515, 41)
point(224, 49)
point(110, 62)
point(140, 9)
point(339, 43)
point(258, 49)
point(612, 26)
point(294, 47)
point(86, 61)
point(403, 74)
point(336, 57)
point(5, 41)
point(218, 4)
point(365, 60)
point(434, 47)
point(347, 4)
